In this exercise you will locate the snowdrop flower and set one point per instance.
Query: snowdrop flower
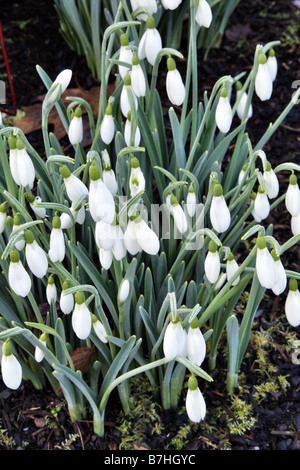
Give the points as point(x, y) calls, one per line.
point(272, 64)
point(261, 204)
point(212, 265)
point(123, 290)
point(292, 197)
point(63, 79)
point(109, 179)
point(39, 211)
point(99, 329)
point(196, 346)
point(51, 291)
point(39, 353)
point(101, 201)
point(11, 369)
point(271, 182)
point(78, 214)
point(139, 236)
point(292, 304)
point(219, 213)
point(174, 84)
point(118, 248)
point(223, 114)
point(104, 235)
point(150, 44)
point(265, 265)
point(178, 215)
point(66, 301)
point(81, 317)
point(149, 5)
point(126, 96)
point(138, 82)
point(242, 103)
point(3, 216)
point(35, 256)
point(171, 4)
point(107, 127)
point(105, 258)
point(75, 188)
point(125, 55)
point(263, 80)
point(76, 127)
point(191, 201)
point(20, 243)
point(195, 403)
point(203, 14)
point(21, 166)
point(295, 224)
point(280, 275)
point(231, 268)
point(59, 85)
point(242, 174)
point(57, 249)
point(18, 278)
point(175, 341)
point(137, 180)
point(127, 133)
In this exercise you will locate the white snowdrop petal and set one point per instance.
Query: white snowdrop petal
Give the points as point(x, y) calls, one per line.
point(271, 184)
point(66, 303)
point(281, 278)
point(104, 235)
point(153, 45)
point(263, 83)
point(75, 188)
point(146, 238)
point(203, 14)
point(195, 405)
point(11, 371)
point(231, 268)
point(107, 129)
point(196, 346)
point(212, 266)
point(19, 280)
point(125, 56)
point(26, 171)
point(57, 245)
point(36, 259)
point(219, 214)
point(100, 331)
point(265, 268)
point(130, 239)
point(272, 66)
point(75, 130)
point(292, 199)
point(124, 290)
point(81, 321)
point(105, 258)
point(138, 82)
point(223, 115)
point(292, 307)
point(242, 104)
point(175, 87)
point(261, 206)
point(110, 181)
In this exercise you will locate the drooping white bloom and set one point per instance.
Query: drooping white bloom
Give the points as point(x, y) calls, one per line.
point(149, 5)
point(51, 291)
point(295, 224)
point(196, 346)
point(20, 243)
point(57, 249)
point(63, 78)
point(33, 201)
point(191, 201)
point(101, 201)
point(3, 216)
point(242, 174)
point(125, 97)
point(265, 265)
point(123, 290)
point(138, 82)
point(35, 256)
point(223, 114)
point(146, 237)
point(150, 44)
point(178, 214)
point(127, 133)
point(66, 301)
point(107, 127)
point(59, 85)
point(125, 55)
point(174, 84)
point(212, 265)
point(109, 179)
point(21, 166)
point(271, 182)
point(118, 248)
point(75, 188)
point(104, 235)
point(219, 213)
point(292, 197)
point(261, 205)
point(99, 329)
point(76, 127)
point(195, 404)
point(38, 352)
point(105, 258)
point(81, 317)
point(263, 79)
point(18, 278)
point(292, 304)
point(11, 369)
point(204, 14)
point(231, 268)
point(242, 102)
point(171, 4)
point(137, 180)
point(130, 240)
point(175, 341)
point(280, 275)
point(78, 214)
point(272, 64)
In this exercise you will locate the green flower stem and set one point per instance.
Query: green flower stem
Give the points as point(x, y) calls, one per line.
point(35, 307)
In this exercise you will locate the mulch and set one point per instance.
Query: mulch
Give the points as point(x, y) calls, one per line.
point(33, 419)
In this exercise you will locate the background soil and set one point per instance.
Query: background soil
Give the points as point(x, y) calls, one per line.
point(266, 414)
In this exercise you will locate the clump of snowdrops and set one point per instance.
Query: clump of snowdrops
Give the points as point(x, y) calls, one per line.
point(136, 244)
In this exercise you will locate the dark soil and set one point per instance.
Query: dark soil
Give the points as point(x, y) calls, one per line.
point(38, 420)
